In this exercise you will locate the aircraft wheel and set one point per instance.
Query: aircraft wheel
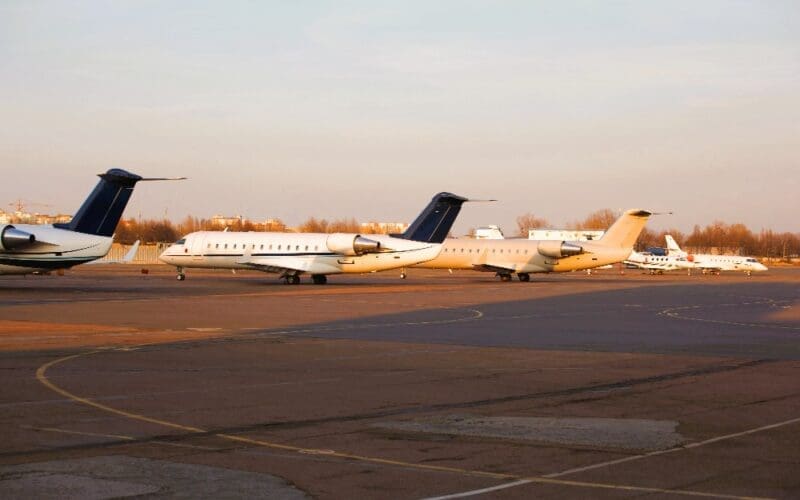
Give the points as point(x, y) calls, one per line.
point(294, 279)
point(319, 279)
point(403, 276)
point(505, 277)
point(180, 277)
point(524, 277)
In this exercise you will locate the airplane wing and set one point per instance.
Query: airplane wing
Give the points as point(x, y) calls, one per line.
point(278, 264)
point(494, 268)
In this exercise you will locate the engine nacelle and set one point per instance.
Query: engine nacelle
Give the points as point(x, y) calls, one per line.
point(558, 249)
point(12, 238)
point(351, 244)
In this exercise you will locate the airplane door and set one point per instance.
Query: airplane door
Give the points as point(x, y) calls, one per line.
point(198, 247)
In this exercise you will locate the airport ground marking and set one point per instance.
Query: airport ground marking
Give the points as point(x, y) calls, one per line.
point(583, 484)
point(517, 480)
point(688, 446)
point(79, 433)
point(677, 313)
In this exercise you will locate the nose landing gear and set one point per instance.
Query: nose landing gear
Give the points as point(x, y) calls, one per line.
point(181, 276)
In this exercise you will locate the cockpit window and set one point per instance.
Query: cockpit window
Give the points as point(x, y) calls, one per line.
point(181, 241)
point(751, 260)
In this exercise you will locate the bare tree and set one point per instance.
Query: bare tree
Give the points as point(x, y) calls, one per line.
point(529, 221)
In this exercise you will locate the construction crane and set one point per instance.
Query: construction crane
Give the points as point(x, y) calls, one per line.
point(20, 205)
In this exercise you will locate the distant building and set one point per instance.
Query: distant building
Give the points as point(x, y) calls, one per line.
point(51, 219)
point(491, 232)
point(383, 227)
point(223, 221)
point(564, 234)
point(20, 217)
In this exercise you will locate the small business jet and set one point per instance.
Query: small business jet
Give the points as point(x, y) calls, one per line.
point(29, 248)
point(658, 264)
point(709, 263)
point(318, 254)
point(524, 257)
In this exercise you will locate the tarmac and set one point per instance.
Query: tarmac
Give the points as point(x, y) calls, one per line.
point(615, 385)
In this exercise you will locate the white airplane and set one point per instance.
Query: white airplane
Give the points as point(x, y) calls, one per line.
point(318, 254)
point(29, 248)
point(523, 256)
point(658, 264)
point(709, 263)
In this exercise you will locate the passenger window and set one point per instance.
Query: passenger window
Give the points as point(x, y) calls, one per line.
point(234, 246)
point(217, 245)
point(279, 247)
point(270, 247)
point(297, 247)
point(306, 248)
point(208, 246)
point(262, 247)
point(226, 246)
point(316, 247)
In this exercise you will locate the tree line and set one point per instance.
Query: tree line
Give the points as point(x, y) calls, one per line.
point(717, 236)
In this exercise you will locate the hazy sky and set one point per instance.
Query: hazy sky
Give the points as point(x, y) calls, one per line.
point(366, 109)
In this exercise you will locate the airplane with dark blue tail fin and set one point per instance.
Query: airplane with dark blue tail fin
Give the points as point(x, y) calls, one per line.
point(30, 248)
point(292, 254)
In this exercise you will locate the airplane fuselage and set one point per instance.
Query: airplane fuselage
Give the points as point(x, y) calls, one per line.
point(520, 256)
point(54, 248)
point(292, 253)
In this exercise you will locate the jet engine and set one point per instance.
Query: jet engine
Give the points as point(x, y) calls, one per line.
point(558, 249)
point(12, 238)
point(351, 244)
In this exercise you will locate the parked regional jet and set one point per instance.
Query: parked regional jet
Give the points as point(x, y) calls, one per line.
point(318, 254)
point(524, 257)
point(28, 248)
point(709, 263)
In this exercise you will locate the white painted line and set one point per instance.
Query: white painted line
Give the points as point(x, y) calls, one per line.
point(673, 450)
point(481, 491)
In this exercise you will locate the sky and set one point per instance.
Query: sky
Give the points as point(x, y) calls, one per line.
point(367, 109)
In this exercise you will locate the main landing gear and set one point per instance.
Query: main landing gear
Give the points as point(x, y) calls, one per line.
point(505, 277)
point(291, 279)
point(181, 276)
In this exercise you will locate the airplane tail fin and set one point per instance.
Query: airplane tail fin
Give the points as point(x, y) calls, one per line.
point(625, 230)
point(433, 224)
point(101, 211)
point(672, 245)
